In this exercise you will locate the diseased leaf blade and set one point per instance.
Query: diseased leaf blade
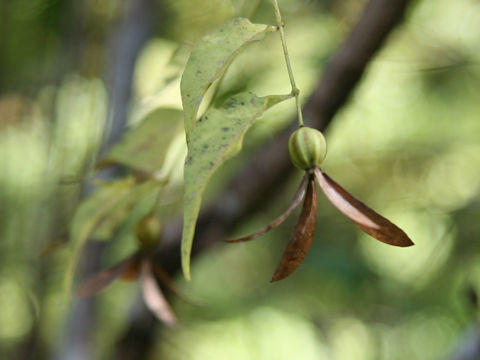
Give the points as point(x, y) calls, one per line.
point(216, 137)
point(298, 247)
point(297, 199)
point(145, 146)
point(95, 283)
point(366, 219)
point(210, 60)
point(153, 296)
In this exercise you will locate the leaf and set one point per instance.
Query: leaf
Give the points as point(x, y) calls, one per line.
point(90, 214)
point(210, 60)
point(109, 223)
point(302, 235)
point(216, 137)
point(145, 146)
point(366, 219)
point(93, 284)
point(153, 296)
point(297, 199)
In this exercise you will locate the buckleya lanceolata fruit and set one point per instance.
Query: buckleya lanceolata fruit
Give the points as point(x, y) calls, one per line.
point(307, 151)
point(141, 266)
point(148, 232)
point(307, 147)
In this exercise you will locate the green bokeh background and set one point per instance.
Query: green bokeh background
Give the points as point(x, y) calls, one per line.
point(407, 143)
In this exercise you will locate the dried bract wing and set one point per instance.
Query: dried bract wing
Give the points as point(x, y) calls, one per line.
point(367, 219)
point(302, 235)
point(93, 284)
point(297, 199)
point(153, 296)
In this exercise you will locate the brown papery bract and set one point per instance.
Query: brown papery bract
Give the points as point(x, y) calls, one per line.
point(153, 296)
point(302, 236)
point(297, 199)
point(99, 281)
point(129, 269)
point(132, 271)
point(367, 219)
point(169, 284)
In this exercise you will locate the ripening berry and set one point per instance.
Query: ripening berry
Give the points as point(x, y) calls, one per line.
point(148, 232)
point(307, 147)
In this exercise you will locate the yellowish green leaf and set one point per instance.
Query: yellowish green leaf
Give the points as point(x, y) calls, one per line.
point(210, 60)
point(107, 225)
point(216, 137)
point(145, 147)
point(95, 210)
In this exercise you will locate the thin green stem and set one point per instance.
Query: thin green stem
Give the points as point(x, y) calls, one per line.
point(295, 89)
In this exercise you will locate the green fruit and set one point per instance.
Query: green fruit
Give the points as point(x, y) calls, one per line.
point(148, 231)
point(307, 147)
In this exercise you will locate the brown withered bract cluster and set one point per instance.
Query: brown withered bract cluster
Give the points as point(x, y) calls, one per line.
point(139, 266)
point(364, 217)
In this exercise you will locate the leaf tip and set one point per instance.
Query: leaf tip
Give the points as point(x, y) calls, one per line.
point(186, 268)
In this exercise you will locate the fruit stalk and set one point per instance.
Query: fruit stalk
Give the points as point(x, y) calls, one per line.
point(295, 89)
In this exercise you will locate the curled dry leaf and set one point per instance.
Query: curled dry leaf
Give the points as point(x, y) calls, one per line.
point(153, 296)
point(297, 199)
point(99, 281)
point(302, 235)
point(367, 219)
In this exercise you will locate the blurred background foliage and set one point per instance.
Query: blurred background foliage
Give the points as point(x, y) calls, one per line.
point(407, 143)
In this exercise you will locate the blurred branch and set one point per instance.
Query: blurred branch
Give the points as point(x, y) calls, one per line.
point(261, 177)
point(350, 61)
